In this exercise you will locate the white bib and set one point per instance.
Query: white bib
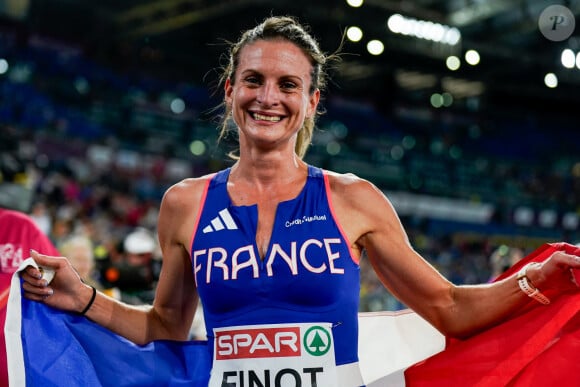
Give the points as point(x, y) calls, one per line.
point(276, 355)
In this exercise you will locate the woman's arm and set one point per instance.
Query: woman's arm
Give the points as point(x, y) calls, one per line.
point(175, 302)
point(372, 224)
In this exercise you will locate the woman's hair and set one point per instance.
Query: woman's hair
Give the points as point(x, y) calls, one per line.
point(287, 28)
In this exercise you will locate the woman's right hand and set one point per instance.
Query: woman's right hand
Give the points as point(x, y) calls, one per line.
point(66, 291)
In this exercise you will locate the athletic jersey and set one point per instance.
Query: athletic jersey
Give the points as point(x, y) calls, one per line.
point(307, 274)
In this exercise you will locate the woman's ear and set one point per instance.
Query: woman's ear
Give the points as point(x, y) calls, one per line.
point(228, 90)
point(313, 103)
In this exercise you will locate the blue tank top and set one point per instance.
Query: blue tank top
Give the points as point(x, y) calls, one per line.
point(307, 275)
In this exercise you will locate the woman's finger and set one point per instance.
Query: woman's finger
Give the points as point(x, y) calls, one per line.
point(45, 260)
point(40, 290)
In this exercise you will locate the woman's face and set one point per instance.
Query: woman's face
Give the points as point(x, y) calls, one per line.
point(269, 97)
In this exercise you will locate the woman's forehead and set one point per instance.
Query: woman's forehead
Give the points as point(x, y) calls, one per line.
point(273, 55)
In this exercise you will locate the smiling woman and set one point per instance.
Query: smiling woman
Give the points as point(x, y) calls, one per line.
point(304, 52)
point(226, 241)
point(269, 96)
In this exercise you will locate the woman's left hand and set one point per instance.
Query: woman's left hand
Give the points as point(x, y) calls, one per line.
point(560, 273)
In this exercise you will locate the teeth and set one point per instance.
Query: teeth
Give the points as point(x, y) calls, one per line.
point(266, 118)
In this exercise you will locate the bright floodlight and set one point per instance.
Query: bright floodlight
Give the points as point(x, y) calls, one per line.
point(550, 80)
point(354, 34)
point(423, 29)
point(354, 3)
point(3, 66)
point(375, 47)
point(395, 23)
point(453, 62)
point(472, 57)
point(567, 58)
point(452, 36)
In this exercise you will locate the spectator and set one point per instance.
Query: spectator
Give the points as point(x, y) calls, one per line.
point(79, 249)
point(18, 235)
point(136, 273)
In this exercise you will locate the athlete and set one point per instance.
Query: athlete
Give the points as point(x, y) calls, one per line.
point(272, 245)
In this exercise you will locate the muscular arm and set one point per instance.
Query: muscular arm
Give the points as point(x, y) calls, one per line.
point(176, 295)
point(459, 311)
point(175, 302)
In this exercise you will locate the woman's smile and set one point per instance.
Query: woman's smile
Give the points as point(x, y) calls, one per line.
point(266, 117)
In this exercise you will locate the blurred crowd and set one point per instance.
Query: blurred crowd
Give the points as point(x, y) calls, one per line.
point(107, 227)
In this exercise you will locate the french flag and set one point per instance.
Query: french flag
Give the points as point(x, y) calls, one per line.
point(538, 346)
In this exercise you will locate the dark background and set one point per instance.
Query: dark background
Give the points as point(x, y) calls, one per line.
point(184, 39)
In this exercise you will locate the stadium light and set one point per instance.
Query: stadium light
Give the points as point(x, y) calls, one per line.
point(355, 3)
point(354, 34)
point(567, 58)
point(3, 66)
point(452, 62)
point(551, 80)
point(472, 57)
point(375, 47)
point(424, 29)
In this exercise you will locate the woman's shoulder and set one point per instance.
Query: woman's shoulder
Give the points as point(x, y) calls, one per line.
point(187, 190)
point(192, 182)
point(348, 183)
point(355, 193)
point(359, 205)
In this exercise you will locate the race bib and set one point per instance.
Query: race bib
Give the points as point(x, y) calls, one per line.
point(278, 355)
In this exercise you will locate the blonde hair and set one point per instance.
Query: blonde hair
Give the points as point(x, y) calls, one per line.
point(79, 249)
point(286, 28)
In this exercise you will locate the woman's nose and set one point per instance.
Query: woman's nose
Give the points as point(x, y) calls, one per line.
point(268, 94)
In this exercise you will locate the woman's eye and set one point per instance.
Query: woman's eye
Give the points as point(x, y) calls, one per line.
point(288, 85)
point(252, 80)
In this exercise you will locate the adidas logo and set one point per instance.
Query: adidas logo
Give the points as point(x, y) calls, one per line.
point(220, 222)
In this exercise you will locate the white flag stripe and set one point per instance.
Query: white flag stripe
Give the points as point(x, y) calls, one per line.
point(228, 220)
point(390, 342)
point(217, 224)
point(12, 328)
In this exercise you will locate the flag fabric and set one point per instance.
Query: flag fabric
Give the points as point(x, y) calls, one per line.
point(539, 346)
point(51, 348)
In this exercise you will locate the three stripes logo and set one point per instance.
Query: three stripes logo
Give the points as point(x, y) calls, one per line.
point(223, 221)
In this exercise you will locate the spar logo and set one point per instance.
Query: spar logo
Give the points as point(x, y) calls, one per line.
point(317, 341)
point(258, 343)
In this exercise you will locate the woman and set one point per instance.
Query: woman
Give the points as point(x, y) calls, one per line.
point(272, 245)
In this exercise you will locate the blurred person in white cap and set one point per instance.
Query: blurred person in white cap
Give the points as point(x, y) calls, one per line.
point(140, 246)
point(136, 274)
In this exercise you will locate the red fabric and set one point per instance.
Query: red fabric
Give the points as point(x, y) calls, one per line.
point(18, 234)
point(538, 347)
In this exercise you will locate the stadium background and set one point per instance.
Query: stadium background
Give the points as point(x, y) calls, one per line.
point(105, 104)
